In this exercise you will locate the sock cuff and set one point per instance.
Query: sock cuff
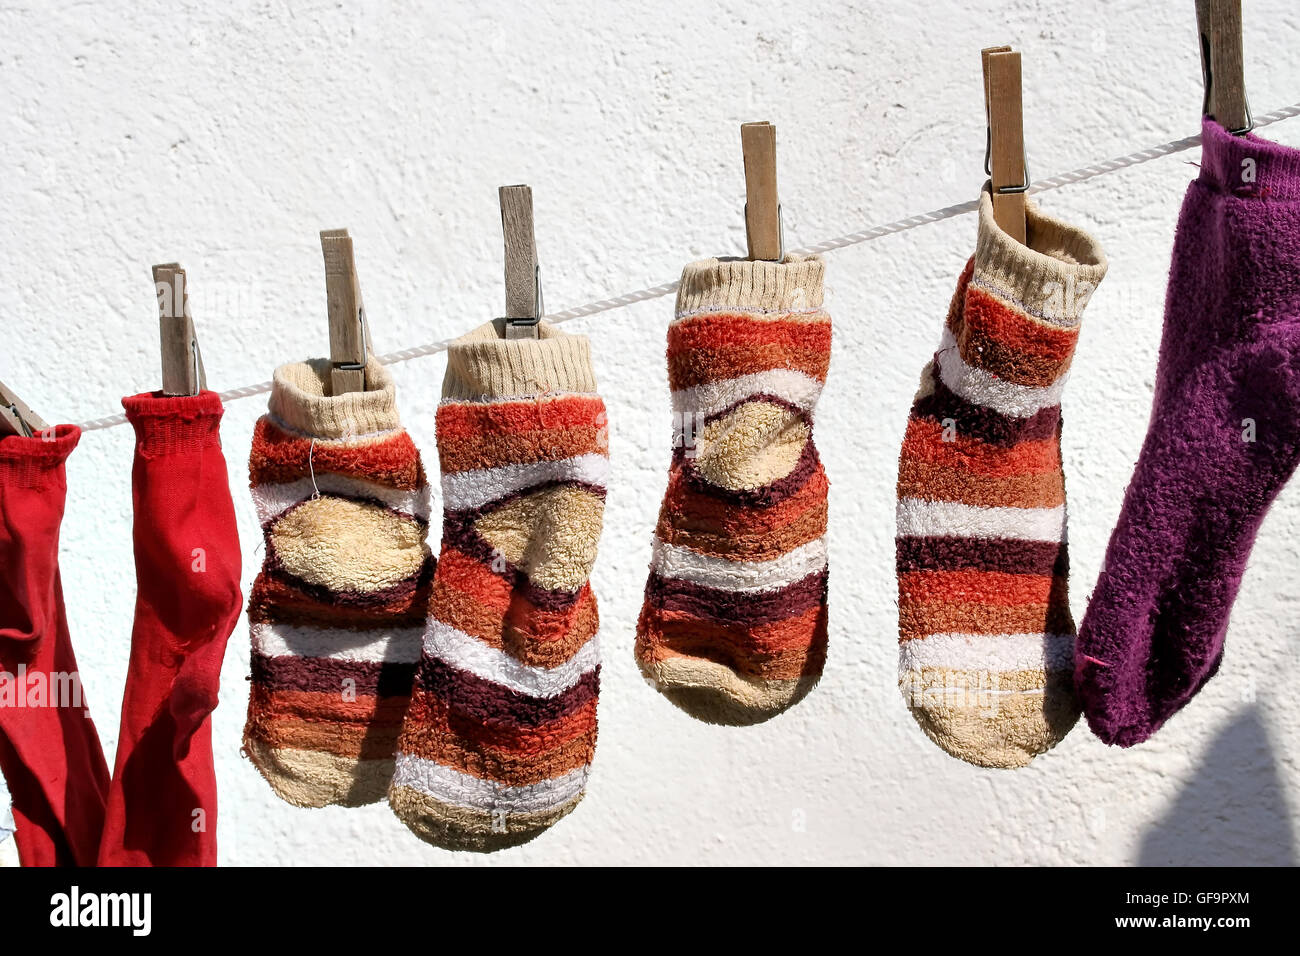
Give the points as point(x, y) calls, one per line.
point(484, 364)
point(301, 399)
point(44, 451)
point(172, 423)
point(1050, 276)
point(791, 285)
point(1248, 166)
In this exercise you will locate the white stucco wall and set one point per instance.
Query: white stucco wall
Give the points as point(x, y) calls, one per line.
point(226, 135)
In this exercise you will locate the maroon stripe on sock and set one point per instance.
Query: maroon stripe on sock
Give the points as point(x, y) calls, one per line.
point(497, 503)
point(397, 595)
point(767, 398)
point(726, 607)
point(763, 497)
point(978, 421)
point(326, 675)
point(355, 499)
point(468, 695)
point(458, 532)
point(943, 553)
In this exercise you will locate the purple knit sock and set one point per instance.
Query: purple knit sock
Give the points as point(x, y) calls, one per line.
point(1224, 437)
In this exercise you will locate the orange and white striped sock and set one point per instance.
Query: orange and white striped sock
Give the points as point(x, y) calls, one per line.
point(337, 612)
point(986, 636)
point(734, 625)
point(501, 731)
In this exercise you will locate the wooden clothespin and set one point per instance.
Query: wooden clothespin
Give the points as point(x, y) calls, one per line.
point(1223, 65)
point(523, 275)
point(1004, 154)
point(763, 228)
point(349, 334)
point(182, 362)
point(15, 417)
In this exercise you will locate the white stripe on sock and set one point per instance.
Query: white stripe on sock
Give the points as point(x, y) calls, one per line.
point(473, 489)
point(273, 498)
point(709, 571)
point(998, 653)
point(917, 517)
point(979, 387)
point(392, 645)
point(447, 785)
point(458, 649)
point(794, 387)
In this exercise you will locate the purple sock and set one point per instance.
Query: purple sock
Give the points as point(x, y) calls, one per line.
point(1224, 437)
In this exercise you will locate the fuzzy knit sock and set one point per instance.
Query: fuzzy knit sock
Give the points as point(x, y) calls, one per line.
point(501, 730)
point(337, 612)
point(49, 749)
point(1223, 438)
point(162, 803)
point(986, 637)
point(733, 628)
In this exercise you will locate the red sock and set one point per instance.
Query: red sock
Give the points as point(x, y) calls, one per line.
point(49, 749)
point(162, 805)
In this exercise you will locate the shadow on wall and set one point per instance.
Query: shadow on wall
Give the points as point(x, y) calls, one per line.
point(1233, 812)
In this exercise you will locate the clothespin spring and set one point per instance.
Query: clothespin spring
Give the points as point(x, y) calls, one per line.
point(780, 231)
point(12, 409)
point(1207, 75)
point(539, 309)
point(365, 338)
point(988, 166)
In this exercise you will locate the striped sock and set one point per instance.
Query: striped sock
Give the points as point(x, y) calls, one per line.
point(501, 730)
point(337, 612)
point(733, 629)
point(986, 637)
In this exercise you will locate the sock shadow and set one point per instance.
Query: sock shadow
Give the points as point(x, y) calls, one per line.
point(1233, 812)
point(709, 705)
point(1191, 619)
point(379, 736)
point(1060, 702)
point(703, 704)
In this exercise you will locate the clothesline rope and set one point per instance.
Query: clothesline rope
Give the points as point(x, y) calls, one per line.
point(1082, 174)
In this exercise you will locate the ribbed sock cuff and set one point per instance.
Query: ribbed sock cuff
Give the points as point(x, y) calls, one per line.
point(484, 364)
point(301, 400)
point(1050, 276)
point(167, 424)
point(1248, 166)
point(792, 285)
point(31, 461)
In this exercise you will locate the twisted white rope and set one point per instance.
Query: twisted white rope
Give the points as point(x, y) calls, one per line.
point(1082, 174)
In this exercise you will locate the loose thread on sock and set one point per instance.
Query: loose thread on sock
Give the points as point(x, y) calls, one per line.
point(311, 467)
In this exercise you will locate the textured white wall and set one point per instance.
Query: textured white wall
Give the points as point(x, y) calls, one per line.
point(225, 136)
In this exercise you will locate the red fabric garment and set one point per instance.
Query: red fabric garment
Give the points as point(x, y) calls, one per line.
point(162, 805)
point(49, 748)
